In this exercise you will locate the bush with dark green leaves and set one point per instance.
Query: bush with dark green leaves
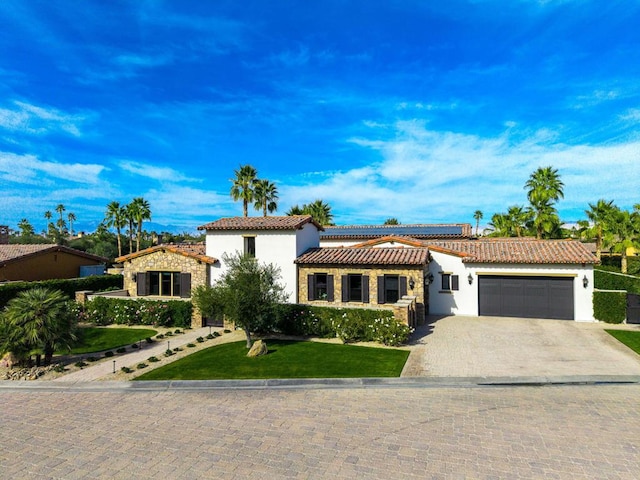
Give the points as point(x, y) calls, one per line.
point(610, 307)
point(606, 280)
point(107, 311)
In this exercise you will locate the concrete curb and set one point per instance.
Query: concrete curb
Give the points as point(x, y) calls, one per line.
point(318, 383)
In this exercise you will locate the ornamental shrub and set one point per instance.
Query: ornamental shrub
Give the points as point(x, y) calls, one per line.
point(610, 307)
point(348, 324)
point(106, 311)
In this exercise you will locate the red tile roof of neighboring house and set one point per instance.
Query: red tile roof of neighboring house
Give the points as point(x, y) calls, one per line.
point(193, 250)
point(411, 242)
point(290, 222)
point(16, 252)
point(517, 250)
point(364, 256)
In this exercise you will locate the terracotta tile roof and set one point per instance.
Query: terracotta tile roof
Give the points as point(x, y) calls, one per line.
point(193, 250)
point(408, 241)
point(517, 250)
point(16, 252)
point(364, 256)
point(291, 222)
point(417, 231)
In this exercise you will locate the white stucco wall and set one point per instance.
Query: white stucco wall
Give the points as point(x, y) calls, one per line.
point(465, 300)
point(278, 247)
point(341, 242)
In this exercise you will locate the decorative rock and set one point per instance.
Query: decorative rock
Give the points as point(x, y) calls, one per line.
point(258, 348)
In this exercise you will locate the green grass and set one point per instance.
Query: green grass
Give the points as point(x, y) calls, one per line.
point(629, 338)
point(94, 339)
point(286, 359)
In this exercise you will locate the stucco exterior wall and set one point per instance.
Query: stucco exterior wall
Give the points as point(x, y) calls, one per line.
point(46, 266)
point(164, 262)
point(416, 273)
point(465, 300)
point(277, 247)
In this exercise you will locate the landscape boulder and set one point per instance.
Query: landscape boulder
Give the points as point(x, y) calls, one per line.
point(258, 348)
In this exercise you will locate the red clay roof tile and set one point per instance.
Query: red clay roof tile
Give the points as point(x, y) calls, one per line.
point(364, 256)
point(290, 222)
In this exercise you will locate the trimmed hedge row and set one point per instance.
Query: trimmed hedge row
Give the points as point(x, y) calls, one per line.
point(604, 280)
point(348, 324)
point(107, 311)
point(613, 262)
point(95, 283)
point(610, 307)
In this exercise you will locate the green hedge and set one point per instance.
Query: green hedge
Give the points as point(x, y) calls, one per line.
point(348, 324)
point(107, 310)
point(604, 280)
point(612, 262)
point(95, 283)
point(610, 307)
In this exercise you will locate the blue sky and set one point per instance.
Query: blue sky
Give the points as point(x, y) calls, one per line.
point(421, 110)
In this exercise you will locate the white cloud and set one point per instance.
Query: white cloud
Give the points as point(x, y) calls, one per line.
point(163, 174)
point(36, 120)
point(28, 169)
point(430, 176)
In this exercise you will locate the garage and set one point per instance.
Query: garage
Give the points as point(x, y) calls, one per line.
point(528, 297)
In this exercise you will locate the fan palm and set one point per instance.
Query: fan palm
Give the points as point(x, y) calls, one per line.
point(116, 217)
point(600, 216)
point(265, 195)
point(544, 189)
point(243, 186)
point(140, 210)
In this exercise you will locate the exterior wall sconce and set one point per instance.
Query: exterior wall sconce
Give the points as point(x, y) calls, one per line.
point(470, 279)
point(428, 278)
point(585, 282)
point(133, 277)
point(412, 283)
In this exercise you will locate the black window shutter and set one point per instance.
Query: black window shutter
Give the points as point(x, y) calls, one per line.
point(403, 286)
point(345, 288)
point(311, 287)
point(365, 288)
point(142, 284)
point(329, 288)
point(454, 282)
point(381, 289)
point(185, 285)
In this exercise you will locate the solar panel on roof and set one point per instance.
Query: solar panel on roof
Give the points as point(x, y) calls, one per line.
point(401, 230)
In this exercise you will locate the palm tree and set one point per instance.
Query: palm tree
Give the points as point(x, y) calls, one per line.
point(243, 185)
point(48, 216)
point(72, 218)
point(116, 217)
point(26, 229)
point(391, 221)
point(477, 215)
point(518, 219)
point(624, 232)
point(544, 189)
point(265, 195)
point(140, 210)
point(61, 223)
point(295, 210)
point(500, 225)
point(600, 216)
point(130, 219)
point(39, 321)
point(320, 211)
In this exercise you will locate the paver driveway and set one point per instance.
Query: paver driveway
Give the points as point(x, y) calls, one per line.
point(516, 347)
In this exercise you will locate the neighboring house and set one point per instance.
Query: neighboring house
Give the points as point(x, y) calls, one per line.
point(350, 235)
point(166, 271)
point(46, 262)
point(272, 240)
point(517, 277)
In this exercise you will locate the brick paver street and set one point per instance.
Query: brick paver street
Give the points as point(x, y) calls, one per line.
point(587, 431)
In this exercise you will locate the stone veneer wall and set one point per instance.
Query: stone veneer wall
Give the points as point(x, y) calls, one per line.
point(418, 290)
point(165, 262)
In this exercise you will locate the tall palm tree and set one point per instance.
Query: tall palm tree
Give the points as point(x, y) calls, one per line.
point(116, 217)
point(544, 188)
point(501, 225)
point(61, 223)
point(477, 215)
point(140, 211)
point(518, 219)
point(39, 321)
point(624, 233)
point(320, 211)
point(48, 216)
point(26, 229)
point(243, 185)
point(72, 218)
point(265, 196)
point(130, 216)
point(600, 216)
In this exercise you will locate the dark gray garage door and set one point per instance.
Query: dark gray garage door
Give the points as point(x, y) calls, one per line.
point(529, 297)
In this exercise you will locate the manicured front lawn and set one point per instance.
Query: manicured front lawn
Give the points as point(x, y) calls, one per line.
point(629, 338)
point(286, 359)
point(93, 339)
